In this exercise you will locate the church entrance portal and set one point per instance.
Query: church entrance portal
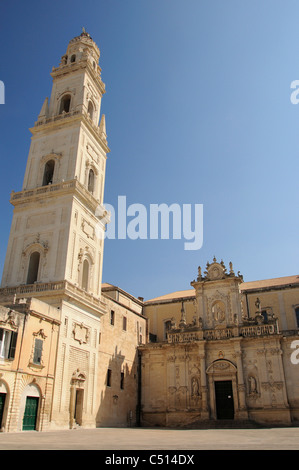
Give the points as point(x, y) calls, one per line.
point(224, 399)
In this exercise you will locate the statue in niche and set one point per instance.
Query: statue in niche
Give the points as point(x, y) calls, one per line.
point(252, 385)
point(194, 387)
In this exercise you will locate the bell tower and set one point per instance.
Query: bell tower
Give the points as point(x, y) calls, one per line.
point(59, 219)
point(55, 248)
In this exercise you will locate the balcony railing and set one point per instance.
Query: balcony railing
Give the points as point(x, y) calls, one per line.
point(65, 186)
point(38, 288)
point(252, 331)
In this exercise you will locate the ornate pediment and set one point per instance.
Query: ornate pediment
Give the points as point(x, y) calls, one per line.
point(216, 271)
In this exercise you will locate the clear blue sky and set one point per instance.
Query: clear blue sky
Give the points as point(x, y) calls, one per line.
point(198, 111)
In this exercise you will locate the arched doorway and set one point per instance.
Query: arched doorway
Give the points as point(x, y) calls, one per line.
point(30, 405)
point(77, 398)
point(223, 391)
point(224, 399)
point(3, 403)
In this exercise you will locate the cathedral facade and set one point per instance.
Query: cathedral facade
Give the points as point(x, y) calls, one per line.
point(77, 352)
point(222, 350)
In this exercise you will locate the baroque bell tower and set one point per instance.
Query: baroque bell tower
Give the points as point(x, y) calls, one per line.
point(59, 218)
point(55, 248)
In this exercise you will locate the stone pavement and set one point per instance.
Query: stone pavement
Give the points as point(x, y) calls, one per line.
point(153, 439)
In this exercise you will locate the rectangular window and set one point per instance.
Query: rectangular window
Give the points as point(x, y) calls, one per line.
point(125, 323)
point(122, 380)
point(112, 317)
point(297, 316)
point(109, 376)
point(8, 341)
point(38, 349)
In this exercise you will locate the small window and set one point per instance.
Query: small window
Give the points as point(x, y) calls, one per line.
point(8, 341)
point(73, 58)
point(91, 181)
point(122, 380)
point(297, 316)
point(85, 275)
point(65, 104)
point(48, 172)
point(125, 323)
point(112, 317)
point(90, 109)
point(33, 267)
point(38, 349)
point(109, 377)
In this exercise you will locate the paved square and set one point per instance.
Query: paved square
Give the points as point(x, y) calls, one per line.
point(153, 439)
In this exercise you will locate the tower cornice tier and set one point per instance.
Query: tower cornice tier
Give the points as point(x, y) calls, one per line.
point(57, 292)
point(73, 187)
point(73, 67)
point(55, 122)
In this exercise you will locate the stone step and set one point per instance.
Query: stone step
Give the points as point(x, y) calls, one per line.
point(225, 424)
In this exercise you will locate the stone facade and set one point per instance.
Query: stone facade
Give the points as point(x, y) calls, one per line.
point(27, 361)
point(76, 352)
point(222, 350)
point(124, 329)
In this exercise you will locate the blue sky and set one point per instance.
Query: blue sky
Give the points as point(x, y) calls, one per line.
point(198, 111)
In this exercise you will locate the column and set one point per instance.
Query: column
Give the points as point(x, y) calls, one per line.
point(242, 412)
point(203, 383)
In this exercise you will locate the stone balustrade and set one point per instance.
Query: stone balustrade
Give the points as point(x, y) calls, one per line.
point(252, 331)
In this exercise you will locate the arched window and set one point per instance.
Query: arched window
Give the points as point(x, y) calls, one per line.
point(85, 275)
point(90, 109)
point(65, 104)
point(33, 267)
point(73, 58)
point(48, 172)
point(91, 181)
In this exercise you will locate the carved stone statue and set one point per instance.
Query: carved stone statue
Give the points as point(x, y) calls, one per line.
point(194, 387)
point(258, 305)
point(252, 385)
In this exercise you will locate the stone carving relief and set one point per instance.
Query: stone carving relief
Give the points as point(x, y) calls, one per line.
point(218, 311)
point(87, 229)
point(10, 321)
point(78, 378)
point(80, 333)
